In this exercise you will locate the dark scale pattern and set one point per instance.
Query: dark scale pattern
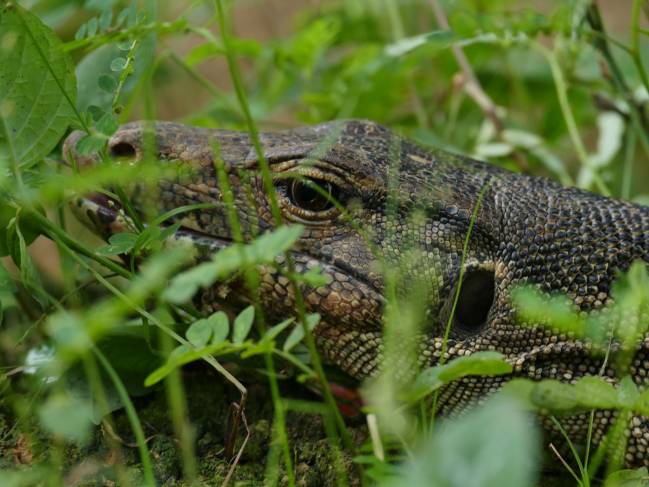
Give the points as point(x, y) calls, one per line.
point(407, 208)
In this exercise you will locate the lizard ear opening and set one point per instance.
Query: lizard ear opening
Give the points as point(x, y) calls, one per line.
point(122, 150)
point(475, 300)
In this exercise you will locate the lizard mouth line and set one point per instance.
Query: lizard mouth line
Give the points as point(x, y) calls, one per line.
point(108, 217)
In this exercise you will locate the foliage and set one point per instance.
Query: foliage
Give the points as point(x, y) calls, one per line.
point(566, 99)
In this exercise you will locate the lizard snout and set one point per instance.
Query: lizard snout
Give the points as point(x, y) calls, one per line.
point(71, 153)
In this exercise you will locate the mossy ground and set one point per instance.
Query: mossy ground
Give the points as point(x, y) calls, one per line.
point(208, 400)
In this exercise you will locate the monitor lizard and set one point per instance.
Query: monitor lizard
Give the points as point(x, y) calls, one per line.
point(383, 201)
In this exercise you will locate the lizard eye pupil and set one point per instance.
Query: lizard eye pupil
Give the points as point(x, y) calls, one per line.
point(309, 194)
point(475, 300)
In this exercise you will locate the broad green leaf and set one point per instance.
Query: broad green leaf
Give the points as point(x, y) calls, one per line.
point(55, 416)
point(37, 87)
point(119, 243)
point(225, 262)
point(494, 445)
point(297, 334)
point(479, 363)
point(243, 324)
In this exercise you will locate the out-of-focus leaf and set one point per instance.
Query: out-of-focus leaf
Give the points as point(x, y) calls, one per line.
point(314, 277)
point(220, 327)
point(439, 38)
point(55, 416)
point(611, 133)
point(262, 250)
point(628, 478)
point(24, 477)
point(199, 333)
point(494, 445)
point(480, 363)
point(273, 331)
point(243, 324)
point(119, 243)
point(297, 334)
point(37, 87)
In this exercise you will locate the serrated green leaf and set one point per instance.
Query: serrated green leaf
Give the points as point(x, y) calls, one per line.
point(243, 324)
point(37, 87)
point(119, 243)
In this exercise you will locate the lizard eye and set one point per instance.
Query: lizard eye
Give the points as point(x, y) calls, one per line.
point(313, 195)
point(475, 300)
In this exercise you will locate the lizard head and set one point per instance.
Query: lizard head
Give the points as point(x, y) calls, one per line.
point(382, 217)
point(370, 203)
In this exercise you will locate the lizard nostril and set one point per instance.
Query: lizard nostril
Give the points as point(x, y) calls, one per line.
point(123, 150)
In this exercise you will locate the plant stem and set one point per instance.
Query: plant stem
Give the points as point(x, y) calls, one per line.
point(562, 94)
point(131, 413)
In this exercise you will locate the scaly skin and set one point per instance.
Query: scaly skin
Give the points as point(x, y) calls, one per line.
point(404, 207)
